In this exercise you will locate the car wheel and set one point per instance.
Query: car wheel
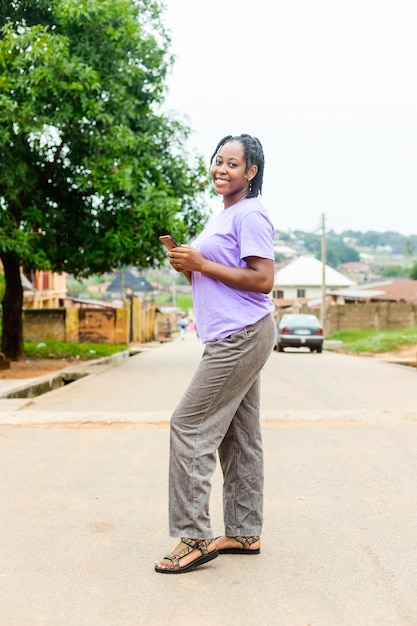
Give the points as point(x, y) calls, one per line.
point(319, 349)
point(280, 349)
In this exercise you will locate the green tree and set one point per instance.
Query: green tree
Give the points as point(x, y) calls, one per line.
point(338, 252)
point(91, 170)
point(413, 271)
point(393, 271)
point(312, 242)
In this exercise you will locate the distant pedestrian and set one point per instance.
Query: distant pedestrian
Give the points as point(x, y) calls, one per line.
point(182, 325)
point(231, 270)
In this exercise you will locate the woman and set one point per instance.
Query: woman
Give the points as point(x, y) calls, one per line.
point(231, 269)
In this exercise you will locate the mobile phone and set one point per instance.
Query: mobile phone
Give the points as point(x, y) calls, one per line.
point(168, 242)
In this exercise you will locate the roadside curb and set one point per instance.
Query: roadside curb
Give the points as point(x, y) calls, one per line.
point(332, 344)
point(48, 382)
point(270, 418)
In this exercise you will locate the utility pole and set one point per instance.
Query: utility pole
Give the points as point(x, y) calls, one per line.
point(122, 284)
point(323, 272)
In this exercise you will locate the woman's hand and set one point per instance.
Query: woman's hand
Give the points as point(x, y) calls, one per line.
point(185, 259)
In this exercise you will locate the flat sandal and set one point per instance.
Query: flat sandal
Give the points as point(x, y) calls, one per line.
point(192, 544)
point(245, 542)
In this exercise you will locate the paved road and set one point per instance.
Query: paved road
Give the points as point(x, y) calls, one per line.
point(83, 482)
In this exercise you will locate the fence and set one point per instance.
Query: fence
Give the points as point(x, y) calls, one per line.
point(109, 325)
point(367, 315)
point(133, 323)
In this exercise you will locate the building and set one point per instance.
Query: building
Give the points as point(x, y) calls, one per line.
point(130, 281)
point(302, 279)
point(388, 290)
point(43, 289)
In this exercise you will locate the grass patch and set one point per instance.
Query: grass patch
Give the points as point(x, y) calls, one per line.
point(375, 341)
point(183, 301)
point(70, 351)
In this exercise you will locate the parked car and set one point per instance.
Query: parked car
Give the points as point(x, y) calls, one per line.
point(299, 330)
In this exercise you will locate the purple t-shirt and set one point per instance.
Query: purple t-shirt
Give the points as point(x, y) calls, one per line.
point(242, 230)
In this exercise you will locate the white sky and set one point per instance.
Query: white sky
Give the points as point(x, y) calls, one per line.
point(330, 89)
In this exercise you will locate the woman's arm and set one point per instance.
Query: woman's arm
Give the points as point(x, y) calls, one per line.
point(258, 276)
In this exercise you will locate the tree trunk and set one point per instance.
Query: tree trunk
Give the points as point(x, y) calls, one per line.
point(12, 338)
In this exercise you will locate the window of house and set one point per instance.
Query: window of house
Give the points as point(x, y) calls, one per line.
point(278, 293)
point(301, 293)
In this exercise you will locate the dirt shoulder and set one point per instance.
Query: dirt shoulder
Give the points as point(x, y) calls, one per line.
point(31, 368)
point(409, 352)
point(406, 355)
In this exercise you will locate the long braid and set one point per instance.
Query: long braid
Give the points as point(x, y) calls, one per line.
point(254, 155)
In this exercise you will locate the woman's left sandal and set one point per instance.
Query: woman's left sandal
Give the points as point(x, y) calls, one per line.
point(245, 545)
point(192, 544)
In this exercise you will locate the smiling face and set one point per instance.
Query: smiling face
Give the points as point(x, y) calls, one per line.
point(228, 172)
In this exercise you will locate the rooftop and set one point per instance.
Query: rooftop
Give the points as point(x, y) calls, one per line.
point(307, 271)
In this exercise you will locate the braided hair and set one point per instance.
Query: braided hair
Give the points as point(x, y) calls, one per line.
point(254, 155)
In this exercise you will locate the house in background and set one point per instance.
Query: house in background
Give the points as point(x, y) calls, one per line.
point(302, 280)
point(130, 279)
point(43, 289)
point(284, 251)
point(388, 290)
point(356, 271)
point(28, 292)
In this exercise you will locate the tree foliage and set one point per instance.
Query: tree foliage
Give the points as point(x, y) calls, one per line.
point(394, 271)
point(337, 252)
point(400, 244)
point(413, 271)
point(91, 170)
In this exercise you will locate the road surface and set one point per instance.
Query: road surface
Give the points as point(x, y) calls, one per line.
point(83, 490)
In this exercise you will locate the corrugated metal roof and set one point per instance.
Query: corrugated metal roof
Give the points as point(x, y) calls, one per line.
point(393, 290)
point(357, 293)
point(130, 279)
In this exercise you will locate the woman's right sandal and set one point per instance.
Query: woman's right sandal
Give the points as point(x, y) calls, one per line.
point(246, 543)
point(191, 544)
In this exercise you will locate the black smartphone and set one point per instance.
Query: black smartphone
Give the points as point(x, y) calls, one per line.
point(168, 242)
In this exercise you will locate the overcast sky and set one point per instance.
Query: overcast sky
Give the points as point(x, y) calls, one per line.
point(330, 89)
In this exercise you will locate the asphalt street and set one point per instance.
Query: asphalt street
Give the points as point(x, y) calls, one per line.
point(83, 493)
